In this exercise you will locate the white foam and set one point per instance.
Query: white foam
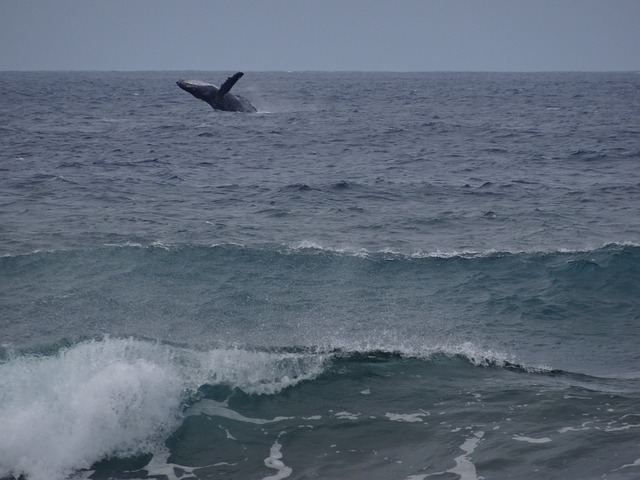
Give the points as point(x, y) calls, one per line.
point(446, 254)
point(407, 417)
point(629, 415)
point(257, 372)
point(624, 427)
point(310, 245)
point(159, 466)
point(464, 466)
point(575, 429)
point(634, 464)
point(478, 356)
point(274, 460)
point(125, 245)
point(347, 415)
point(220, 409)
point(520, 438)
point(62, 413)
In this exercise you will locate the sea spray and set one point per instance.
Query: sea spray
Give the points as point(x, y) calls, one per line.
point(63, 413)
point(117, 397)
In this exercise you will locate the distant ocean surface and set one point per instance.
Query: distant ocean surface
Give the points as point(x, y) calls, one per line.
point(377, 276)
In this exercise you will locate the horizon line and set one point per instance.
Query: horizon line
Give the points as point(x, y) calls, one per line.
point(106, 70)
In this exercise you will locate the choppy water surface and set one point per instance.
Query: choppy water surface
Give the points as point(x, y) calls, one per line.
point(412, 276)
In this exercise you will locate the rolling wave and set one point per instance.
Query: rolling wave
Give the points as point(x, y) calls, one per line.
point(123, 396)
point(308, 247)
point(253, 369)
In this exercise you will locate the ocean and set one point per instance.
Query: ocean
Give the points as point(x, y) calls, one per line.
point(377, 276)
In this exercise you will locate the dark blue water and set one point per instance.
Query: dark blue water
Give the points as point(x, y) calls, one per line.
point(376, 276)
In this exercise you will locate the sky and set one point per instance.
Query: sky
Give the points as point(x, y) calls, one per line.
point(328, 35)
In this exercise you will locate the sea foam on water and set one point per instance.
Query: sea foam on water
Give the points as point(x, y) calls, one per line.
point(62, 413)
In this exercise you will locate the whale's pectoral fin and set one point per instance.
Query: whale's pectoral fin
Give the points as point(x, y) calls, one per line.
point(229, 83)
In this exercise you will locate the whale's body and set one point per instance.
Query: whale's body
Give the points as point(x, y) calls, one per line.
point(218, 98)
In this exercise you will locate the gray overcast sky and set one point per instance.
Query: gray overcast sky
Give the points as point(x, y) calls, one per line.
point(396, 35)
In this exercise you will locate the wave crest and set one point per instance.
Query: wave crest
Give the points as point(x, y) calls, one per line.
point(65, 411)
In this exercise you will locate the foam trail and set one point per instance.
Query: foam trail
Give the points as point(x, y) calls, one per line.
point(220, 409)
point(464, 466)
point(274, 460)
point(521, 438)
point(628, 465)
point(159, 466)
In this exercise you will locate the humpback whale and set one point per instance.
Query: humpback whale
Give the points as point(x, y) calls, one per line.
point(218, 98)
